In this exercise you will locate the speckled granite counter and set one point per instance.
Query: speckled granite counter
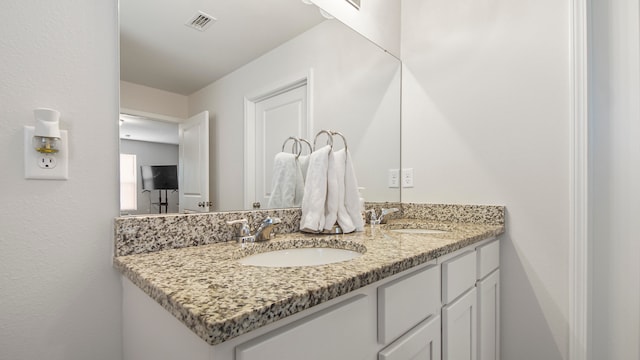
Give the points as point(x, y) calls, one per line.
point(218, 298)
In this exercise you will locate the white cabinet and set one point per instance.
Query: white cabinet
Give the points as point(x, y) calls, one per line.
point(488, 258)
point(458, 275)
point(421, 342)
point(489, 317)
point(488, 288)
point(342, 328)
point(459, 328)
point(436, 311)
point(405, 302)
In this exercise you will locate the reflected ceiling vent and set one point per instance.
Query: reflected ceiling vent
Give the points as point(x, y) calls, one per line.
point(200, 21)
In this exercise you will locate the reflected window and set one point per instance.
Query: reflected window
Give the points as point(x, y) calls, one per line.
point(128, 183)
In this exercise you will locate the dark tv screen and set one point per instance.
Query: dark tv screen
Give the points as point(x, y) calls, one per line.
point(159, 177)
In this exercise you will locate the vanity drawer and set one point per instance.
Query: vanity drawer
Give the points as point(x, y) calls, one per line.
point(406, 301)
point(342, 331)
point(488, 258)
point(458, 275)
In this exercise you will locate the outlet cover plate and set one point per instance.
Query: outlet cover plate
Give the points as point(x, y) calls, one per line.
point(394, 178)
point(32, 169)
point(407, 178)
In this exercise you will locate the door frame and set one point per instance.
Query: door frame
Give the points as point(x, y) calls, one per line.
point(250, 101)
point(579, 302)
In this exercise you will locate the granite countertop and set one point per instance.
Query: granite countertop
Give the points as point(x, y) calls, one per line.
point(218, 298)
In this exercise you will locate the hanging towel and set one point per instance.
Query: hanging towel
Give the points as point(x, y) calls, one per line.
point(333, 195)
point(297, 202)
point(351, 195)
point(287, 186)
point(315, 191)
point(304, 165)
point(344, 219)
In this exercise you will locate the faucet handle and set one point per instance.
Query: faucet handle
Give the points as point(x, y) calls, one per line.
point(388, 211)
point(271, 221)
point(243, 229)
point(384, 212)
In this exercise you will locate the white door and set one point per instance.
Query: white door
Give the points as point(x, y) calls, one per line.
point(489, 317)
point(276, 118)
point(459, 328)
point(193, 172)
point(420, 343)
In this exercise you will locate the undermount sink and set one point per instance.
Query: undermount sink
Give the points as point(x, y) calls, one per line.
point(300, 257)
point(419, 231)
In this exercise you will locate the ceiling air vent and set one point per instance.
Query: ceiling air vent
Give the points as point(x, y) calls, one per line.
point(200, 21)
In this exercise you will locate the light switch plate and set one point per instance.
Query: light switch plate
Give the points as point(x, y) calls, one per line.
point(45, 166)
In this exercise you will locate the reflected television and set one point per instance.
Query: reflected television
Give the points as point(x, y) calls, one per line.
point(159, 177)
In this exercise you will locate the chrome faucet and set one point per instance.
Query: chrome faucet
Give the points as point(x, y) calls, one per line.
point(264, 232)
point(382, 219)
point(243, 232)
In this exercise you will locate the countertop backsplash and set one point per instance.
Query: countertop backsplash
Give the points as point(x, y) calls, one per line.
point(151, 233)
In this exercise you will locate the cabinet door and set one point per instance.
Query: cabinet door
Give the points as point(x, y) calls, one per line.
point(342, 331)
point(489, 317)
point(420, 343)
point(459, 328)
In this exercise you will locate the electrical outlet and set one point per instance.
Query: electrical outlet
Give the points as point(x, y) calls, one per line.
point(394, 178)
point(407, 178)
point(45, 167)
point(47, 162)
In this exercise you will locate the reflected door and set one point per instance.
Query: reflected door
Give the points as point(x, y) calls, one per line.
point(193, 172)
point(276, 118)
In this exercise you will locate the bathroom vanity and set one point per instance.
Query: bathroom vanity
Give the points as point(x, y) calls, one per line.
point(424, 286)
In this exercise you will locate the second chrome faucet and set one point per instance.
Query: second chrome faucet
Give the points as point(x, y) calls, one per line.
point(382, 219)
point(264, 232)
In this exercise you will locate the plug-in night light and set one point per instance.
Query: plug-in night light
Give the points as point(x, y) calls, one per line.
point(46, 136)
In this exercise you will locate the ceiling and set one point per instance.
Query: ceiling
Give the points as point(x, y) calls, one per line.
point(158, 50)
point(142, 128)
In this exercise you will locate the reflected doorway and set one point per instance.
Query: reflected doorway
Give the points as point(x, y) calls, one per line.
point(271, 118)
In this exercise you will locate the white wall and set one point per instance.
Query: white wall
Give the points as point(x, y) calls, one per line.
point(487, 98)
point(486, 120)
point(151, 100)
point(150, 153)
point(355, 91)
point(615, 175)
point(60, 297)
point(377, 20)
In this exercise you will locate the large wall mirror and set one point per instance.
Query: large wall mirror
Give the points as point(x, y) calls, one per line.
point(256, 72)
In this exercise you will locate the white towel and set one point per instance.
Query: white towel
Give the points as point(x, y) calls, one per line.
point(287, 186)
point(351, 195)
point(315, 191)
point(333, 195)
point(299, 185)
point(344, 219)
point(304, 165)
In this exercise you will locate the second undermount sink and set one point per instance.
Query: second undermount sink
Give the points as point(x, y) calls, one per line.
point(300, 257)
point(419, 231)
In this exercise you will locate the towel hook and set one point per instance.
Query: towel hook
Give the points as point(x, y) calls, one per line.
point(308, 144)
point(329, 140)
point(344, 140)
point(296, 148)
point(295, 140)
